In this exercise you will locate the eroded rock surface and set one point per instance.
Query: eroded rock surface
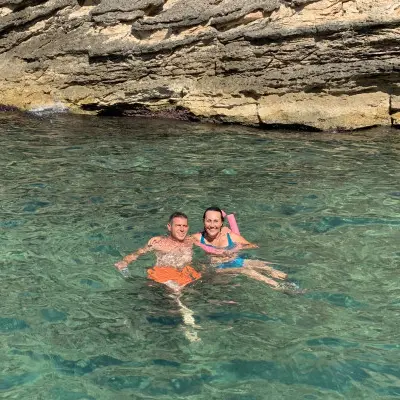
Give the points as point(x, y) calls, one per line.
point(325, 64)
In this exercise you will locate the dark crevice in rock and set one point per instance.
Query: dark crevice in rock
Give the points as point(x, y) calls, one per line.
point(7, 108)
point(27, 3)
point(388, 46)
point(382, 81)
point(298, 3)
point(250, 93)
point(153, 9)
point(366, 28)
point(269, 35)
point(177, 31)
point(315, 88)
point(30, 60)
point(103, 59)
point(85, 3)
point(340, 129)
point(127, 6)
point(289, 127)
point(140, 110)
point(221, 119)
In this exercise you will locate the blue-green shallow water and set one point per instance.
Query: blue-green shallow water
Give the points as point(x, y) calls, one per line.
point(77, 193)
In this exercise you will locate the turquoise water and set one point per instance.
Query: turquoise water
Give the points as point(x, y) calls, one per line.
point(78, 193)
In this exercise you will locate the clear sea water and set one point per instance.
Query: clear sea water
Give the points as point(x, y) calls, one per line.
point(77, 193)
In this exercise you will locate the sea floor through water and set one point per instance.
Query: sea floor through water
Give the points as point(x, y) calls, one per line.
point(78, 193)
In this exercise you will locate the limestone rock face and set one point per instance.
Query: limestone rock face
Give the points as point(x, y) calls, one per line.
point(325, 64)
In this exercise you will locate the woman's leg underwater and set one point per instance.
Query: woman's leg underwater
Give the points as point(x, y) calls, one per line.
point(264, 266)
point(259, 277)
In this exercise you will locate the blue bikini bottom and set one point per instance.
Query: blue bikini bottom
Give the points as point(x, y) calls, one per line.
point(236, 263)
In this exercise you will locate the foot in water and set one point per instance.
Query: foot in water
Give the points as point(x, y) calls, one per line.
point(289, 288)
point(191, 335)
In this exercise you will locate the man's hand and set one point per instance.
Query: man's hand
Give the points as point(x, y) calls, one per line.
point(121, 265)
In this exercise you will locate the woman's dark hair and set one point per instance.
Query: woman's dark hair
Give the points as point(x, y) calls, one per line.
point(213, 209)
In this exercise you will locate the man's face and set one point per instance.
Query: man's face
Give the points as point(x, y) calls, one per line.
point(178, 228)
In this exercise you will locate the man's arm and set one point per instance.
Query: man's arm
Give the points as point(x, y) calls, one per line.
point(195, 238)
point(135, 255)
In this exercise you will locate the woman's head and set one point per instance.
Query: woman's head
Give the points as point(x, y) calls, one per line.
point(216, 209)
point(213, 220)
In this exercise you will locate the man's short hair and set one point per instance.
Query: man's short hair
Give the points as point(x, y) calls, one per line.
point(177, 214)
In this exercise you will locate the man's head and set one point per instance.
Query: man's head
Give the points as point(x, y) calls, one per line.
point(178, 226)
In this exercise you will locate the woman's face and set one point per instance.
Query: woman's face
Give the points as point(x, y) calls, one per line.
point(212, 223)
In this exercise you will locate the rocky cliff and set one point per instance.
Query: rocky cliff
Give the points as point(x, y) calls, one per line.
point(324, 64)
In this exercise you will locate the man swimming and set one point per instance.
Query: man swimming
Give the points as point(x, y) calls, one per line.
point(173, 255)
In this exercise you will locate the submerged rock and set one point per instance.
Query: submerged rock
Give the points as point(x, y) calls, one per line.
point(315, 64)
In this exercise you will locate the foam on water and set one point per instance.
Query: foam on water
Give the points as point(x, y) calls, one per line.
point(48, 109)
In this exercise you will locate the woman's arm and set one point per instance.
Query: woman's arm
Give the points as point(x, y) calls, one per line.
point(242, 242)
point(208, 249)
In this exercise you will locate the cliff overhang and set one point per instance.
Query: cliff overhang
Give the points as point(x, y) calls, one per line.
point(319, 64)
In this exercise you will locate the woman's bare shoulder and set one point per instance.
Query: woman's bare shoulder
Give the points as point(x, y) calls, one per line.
point(225, 230)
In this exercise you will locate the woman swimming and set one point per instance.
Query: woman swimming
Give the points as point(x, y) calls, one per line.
point(224, 245)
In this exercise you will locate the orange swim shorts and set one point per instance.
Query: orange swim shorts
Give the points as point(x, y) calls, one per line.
point(182, 277)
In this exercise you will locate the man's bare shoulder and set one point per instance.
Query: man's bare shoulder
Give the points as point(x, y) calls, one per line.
point(189, 241)
point(156, 241)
